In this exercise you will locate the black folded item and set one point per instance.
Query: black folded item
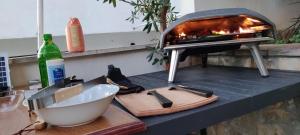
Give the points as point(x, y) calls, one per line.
point(68, 82)
point(115, 76)
point(3, 90)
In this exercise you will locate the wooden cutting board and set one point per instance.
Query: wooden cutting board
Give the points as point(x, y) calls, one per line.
point(142, 104)
point(114, 121)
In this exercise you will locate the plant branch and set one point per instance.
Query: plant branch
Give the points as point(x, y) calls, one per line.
point(156, 14)
point(133, 3)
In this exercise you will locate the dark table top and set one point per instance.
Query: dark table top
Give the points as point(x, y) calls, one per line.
point(240, 91)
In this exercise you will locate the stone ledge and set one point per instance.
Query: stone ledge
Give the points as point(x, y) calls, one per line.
point(67, 55)
point(267, 50)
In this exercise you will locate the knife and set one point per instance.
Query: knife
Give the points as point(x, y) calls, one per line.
point(165, 102)
point(60, 91)
point(200, 92)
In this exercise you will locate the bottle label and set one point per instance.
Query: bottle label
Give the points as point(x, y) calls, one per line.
point(55, 70)
point(74, 30)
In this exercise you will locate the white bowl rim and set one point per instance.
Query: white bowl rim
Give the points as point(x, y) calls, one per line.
point(76, 104)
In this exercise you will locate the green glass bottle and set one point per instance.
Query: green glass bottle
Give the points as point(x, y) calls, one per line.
point(51, 63)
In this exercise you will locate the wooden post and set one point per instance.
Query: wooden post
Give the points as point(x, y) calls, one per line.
point(40, 22)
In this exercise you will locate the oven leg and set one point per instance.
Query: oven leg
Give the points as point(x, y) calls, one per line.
point(173, 65)
point(258, 60)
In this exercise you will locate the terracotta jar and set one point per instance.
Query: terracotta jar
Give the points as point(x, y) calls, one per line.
point(74, 36)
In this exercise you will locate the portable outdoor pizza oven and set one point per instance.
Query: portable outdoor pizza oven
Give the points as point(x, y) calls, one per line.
point(214, 31)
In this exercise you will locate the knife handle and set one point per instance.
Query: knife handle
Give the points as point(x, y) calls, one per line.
point(165, 102)
point(205, 93)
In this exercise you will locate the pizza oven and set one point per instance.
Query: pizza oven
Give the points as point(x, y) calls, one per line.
point(217, 30)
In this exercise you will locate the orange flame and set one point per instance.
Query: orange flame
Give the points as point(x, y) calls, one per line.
point(221, 26)
point(242, 30)
point(253, 20)
point(182, 34)
point(246, 30)
point(259, 28)
point(221, 32)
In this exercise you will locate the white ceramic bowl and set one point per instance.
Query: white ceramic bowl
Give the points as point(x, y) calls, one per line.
point(81, 109)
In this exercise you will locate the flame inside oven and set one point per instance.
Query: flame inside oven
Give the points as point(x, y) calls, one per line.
point(182, 34)
point(233, 25)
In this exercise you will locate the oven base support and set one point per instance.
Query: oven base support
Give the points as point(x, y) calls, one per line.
point(254, 48)
point(173, 65)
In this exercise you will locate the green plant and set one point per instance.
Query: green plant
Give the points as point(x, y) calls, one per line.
point(157, 14)
point(296, 37)
point(279, 41)
point(289, 35)
point(292, 33)
point(157, 56)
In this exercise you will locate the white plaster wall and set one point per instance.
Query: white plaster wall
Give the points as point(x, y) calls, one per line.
point(18, 17)
point(278, 11)
point(184, 6)
point(90, 67)
point(103, 25)
point(15, 28)
point(26, 46)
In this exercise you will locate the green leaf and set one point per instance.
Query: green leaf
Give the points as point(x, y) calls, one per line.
point(161, 2)
point(147, 17)
point(149, 28)
point(155, 61)
point(155, 26)
point(149, 10)
point(150, 56)
point(146, 26)
point(161, 61)
point(114, 3)
point(172, 9)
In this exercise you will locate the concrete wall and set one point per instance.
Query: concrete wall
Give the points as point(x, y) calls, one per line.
point(18, 31)
point(18, 17)
point(26, 46)
point(184, 6)
point(282, 118)
point(284, 57)
point(278, 11)
point(132, 62)
point(103, 25)
point(88, 67)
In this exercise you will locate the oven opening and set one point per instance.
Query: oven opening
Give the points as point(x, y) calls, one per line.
point(218, 29)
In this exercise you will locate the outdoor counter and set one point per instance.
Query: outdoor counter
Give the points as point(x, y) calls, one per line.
point(240, 91)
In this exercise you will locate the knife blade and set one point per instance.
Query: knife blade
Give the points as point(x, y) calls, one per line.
point(55, 93)
point(200, 92)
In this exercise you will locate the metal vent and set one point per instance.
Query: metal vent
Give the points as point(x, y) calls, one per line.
point(4, 71)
